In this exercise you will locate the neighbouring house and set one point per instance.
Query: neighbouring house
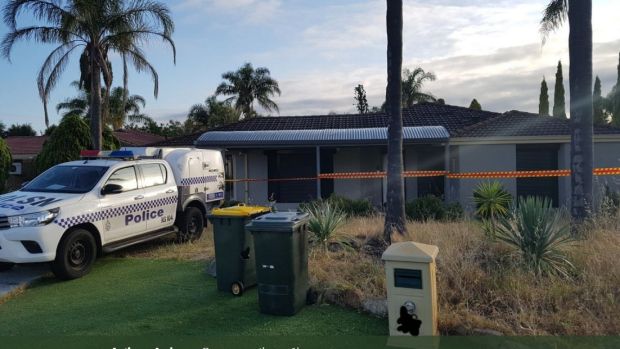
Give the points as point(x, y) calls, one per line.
point(136, 138)
point(24, 150)
point(436, 138)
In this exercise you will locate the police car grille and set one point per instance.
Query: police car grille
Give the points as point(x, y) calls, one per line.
point(4, 222)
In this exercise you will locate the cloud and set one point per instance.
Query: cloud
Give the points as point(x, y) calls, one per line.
point(249, 11)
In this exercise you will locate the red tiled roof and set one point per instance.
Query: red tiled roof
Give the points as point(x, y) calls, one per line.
point(129, 137)
point(25, 145)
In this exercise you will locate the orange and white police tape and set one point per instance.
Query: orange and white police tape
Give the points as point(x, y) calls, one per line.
point(608, 171)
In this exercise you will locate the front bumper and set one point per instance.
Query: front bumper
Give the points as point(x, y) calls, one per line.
point(13, 251)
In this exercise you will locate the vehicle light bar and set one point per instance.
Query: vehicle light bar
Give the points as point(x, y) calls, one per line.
point(124, 154)
point(89, 153)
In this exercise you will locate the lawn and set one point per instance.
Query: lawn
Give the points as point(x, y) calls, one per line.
point(135, 296)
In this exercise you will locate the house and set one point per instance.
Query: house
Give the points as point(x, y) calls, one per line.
point(436, 138)
point(135, 138)
point(24, 150)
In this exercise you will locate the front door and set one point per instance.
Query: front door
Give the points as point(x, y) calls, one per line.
point(122, 212)
point(160, 196)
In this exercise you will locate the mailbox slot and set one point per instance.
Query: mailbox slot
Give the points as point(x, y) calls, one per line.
point(408, 278)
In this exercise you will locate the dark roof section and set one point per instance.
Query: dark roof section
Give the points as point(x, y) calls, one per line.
point(25, 145)
point(451, 118)
point(129, 137)
point(181, 141)
point(516, 123)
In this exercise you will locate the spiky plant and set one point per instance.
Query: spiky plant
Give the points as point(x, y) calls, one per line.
point(325, 221)
point(538, 233)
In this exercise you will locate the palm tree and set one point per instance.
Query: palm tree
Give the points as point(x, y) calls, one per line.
point(247, 85)
point(212, 113)
point(395, 206)
point(98, 28)
point(122, 107)
point(412, 87)
point(579, 14)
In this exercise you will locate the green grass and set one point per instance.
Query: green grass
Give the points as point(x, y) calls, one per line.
point(125, 297)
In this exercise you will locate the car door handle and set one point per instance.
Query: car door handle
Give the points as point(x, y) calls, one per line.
point(170, 191)
point(139, 197)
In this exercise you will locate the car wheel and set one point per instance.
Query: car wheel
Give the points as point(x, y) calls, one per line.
point(75, 256)
point(191, 225)
point(6, 266)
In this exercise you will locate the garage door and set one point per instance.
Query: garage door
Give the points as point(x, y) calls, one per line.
point(538, 157)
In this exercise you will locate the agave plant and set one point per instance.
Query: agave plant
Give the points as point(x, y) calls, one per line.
point(492, 202)
point(539, 233)
point(325, 220)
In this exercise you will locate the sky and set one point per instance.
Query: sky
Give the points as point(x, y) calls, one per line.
point(319, 50)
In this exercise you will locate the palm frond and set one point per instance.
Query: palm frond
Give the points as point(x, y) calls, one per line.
point(554, 16)
point(140, 63)
point(49, 11)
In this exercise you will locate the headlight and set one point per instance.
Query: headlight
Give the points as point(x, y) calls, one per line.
point(33, 219)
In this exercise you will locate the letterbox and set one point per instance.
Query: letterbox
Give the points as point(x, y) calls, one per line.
point(411, 288)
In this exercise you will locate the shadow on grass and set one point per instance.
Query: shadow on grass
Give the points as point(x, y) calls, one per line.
point(144, 296)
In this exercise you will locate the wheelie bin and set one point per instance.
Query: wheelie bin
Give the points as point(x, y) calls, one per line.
point(281, 244)
point(234, 248)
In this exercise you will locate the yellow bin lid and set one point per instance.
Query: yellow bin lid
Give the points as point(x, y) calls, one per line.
point(240, 210)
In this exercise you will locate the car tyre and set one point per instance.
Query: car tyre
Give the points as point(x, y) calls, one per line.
point(6, 266)
point(191, 225)
point(75, 256)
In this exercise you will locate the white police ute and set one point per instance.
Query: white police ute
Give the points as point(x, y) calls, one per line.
point(77, 210)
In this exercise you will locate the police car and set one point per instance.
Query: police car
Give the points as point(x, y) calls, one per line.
point(77, 210)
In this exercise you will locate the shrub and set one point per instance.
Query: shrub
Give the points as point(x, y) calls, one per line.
point(325, 220)
point(492, 200)
point(5, 164)
point(353, 208)
point(538, 232)
point(64, 144)
point(426, 208)
point(454, 211)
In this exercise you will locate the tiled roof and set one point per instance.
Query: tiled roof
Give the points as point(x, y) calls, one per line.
point(129, 137)
point(25, 145)
point(181, 141)
point(516, 123)
point(425, 114)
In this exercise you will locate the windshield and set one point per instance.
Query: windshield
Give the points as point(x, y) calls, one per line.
point(67, 179)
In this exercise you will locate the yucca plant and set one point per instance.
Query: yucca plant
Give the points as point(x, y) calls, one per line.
point(539, 233)
point(325, 221)
point(492, 202)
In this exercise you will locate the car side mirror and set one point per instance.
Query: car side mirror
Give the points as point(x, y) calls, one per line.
point(111, 189)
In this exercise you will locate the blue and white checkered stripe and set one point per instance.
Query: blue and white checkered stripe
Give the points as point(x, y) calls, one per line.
point(198, 180)
point(115, 212)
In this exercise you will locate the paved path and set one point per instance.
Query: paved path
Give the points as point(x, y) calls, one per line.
point(21, 275)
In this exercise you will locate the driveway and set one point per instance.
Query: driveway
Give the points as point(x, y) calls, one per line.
point(21, 275)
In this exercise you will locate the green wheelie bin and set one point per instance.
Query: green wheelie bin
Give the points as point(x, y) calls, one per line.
point(234, 248)
point(281, 244)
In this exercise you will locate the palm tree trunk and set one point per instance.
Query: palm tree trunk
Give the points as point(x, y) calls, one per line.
point(580, 78)
point(95, 103)
point(395, 207)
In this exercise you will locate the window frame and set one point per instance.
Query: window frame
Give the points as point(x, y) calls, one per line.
point(135, 171)
point(143, 176)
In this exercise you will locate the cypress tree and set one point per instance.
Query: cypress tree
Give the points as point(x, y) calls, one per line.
point(599, 117)
point(475, 105)
point(614, 101)
point(559, 102)
point(543, 104)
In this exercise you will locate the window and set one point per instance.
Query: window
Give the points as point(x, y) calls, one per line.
point(154, 174)
point(67, 179)
point(125, 177)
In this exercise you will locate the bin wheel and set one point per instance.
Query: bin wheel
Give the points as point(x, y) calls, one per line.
point(237, 288)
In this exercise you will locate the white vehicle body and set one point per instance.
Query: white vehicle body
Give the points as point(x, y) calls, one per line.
point(155, 194)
